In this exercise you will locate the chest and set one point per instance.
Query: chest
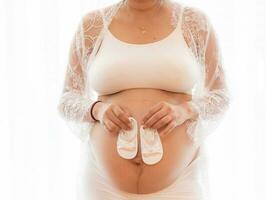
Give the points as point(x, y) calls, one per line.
point(166, 64)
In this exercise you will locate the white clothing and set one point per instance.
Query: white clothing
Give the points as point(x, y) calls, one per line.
point(170, 64)
point(166, 64)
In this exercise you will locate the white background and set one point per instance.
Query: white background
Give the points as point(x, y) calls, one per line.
point(38, 154)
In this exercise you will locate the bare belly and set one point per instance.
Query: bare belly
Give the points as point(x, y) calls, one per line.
point(133, 175)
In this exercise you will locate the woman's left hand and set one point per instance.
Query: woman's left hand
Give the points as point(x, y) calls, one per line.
point(168, 115)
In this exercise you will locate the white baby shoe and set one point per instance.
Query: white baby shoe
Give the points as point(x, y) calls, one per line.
point(127, 141)
point(151, 146)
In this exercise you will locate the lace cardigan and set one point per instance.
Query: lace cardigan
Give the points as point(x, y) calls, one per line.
point(210, 96)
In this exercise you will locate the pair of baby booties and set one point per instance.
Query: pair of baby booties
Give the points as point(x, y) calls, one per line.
point(150, 143)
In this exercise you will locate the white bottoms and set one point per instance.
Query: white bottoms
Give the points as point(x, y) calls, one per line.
point(93, 185)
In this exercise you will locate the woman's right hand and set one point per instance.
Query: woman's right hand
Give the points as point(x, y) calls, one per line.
point(113, 117)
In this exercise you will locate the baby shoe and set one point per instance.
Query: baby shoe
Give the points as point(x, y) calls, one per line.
point(127, 141)
point(151, 146)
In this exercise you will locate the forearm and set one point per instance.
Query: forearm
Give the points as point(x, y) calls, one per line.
point(74, 106)
point(211, 105)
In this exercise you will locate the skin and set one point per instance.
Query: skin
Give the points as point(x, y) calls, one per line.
point(166, 111)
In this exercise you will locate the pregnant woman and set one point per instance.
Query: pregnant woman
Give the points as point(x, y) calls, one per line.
point(144, 87)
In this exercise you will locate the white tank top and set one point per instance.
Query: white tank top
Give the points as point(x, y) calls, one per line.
point(166, 64)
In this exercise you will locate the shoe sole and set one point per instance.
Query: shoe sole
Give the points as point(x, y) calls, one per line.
point(128, 149)
point(150, 154)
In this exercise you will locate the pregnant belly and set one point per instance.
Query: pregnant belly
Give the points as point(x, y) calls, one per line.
point(133, 175)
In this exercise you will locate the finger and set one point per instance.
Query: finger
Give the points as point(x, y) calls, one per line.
point(117, 121)
point(155, 118)
point(122, 115)
point(106, 128)
point(106, 125)
point(162, 122)
point(126, 110)
point(151, 112)
point(111, 126)
point(168, 128)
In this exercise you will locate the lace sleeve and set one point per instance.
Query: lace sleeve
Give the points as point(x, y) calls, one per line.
point(74, 101)
point(213, 100)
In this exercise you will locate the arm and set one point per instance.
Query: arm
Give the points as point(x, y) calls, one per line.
point(74, 104)
point(208, 108)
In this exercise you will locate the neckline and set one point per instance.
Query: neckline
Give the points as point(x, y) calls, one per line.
point(143, 44)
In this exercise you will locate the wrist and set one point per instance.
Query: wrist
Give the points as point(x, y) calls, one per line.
point(191, 111)
point(95, 110)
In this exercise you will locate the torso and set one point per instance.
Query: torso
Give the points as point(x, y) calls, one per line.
point(130, 175)
point(133, 175)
